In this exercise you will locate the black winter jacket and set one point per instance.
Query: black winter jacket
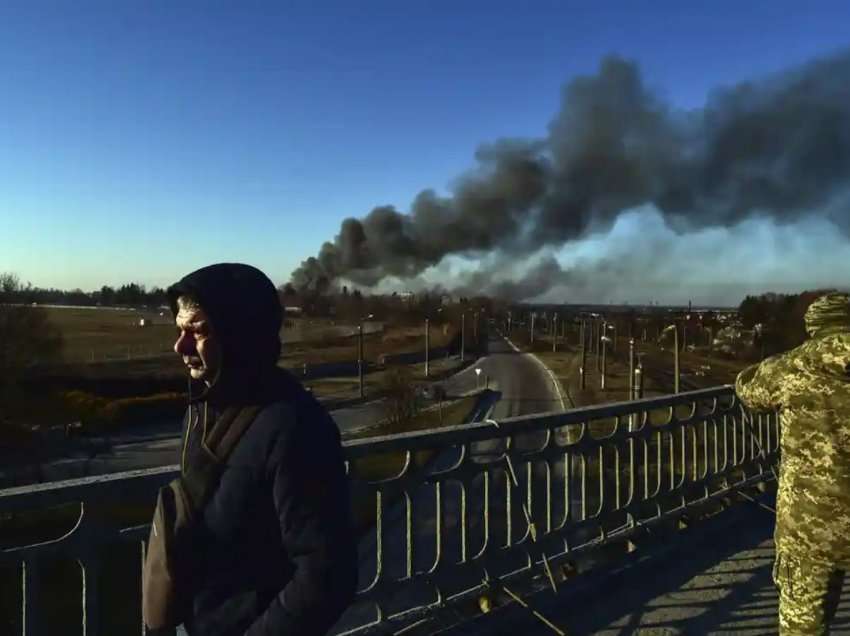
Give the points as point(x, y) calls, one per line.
point(276, 546)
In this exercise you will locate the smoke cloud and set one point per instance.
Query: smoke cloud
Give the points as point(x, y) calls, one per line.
point(777, 148)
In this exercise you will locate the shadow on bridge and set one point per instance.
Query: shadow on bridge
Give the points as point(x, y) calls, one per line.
point(714, 578)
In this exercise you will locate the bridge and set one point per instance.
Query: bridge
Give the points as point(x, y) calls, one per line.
point(594, 520)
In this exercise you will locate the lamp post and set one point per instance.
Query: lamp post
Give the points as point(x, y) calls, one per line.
point(639, 377)
point(462, 334)
point(675, 358)
point(360, 357)
point(605, 341)
point(632, 392)
point(427, 347)
point(532, 327)
point(554, 333)
point(360, 352)
point(583, 368)
point(601, 330)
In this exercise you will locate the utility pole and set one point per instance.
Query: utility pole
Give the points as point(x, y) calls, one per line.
point(676, 359)
point(639, 379)
point(427, 348)
point(583, 367)
point(360, 357)
point(554, 333)
point(600, 331)
point(532, 327)
point(604, 361)
point(462, 335)
point(475, 329)
point(632, 384)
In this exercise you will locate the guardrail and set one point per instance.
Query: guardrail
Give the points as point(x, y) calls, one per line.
point(493, 503)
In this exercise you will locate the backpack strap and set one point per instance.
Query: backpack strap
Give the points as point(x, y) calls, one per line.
point(228, 430)
point(201, 478)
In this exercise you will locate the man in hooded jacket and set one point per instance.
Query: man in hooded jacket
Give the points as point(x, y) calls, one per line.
point(810, 385)
point(275, 547)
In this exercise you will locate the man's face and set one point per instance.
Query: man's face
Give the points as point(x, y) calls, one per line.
point(196, 343)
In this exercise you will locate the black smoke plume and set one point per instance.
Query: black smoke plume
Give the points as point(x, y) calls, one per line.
point(779, 147)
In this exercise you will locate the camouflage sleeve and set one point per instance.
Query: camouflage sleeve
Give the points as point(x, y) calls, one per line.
point(759, 386)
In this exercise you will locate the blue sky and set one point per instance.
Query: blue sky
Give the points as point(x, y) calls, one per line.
point(141, 140)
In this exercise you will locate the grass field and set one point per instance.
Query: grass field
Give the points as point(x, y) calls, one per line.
point(101, 334)
point(110, 357)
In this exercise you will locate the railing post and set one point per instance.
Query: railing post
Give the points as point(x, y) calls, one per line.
point(90, 567)
point(30, 596)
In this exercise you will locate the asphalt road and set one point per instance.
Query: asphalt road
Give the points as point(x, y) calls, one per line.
point(158, 446)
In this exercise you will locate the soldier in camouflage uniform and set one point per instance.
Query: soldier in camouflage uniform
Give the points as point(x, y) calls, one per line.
point(811, 387)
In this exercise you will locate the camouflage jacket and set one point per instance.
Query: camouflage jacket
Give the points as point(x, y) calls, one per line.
point(810, 386)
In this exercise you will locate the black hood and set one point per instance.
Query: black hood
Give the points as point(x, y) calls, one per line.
point(246, 316)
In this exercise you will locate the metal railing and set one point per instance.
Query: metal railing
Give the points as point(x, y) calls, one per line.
point(447, 513)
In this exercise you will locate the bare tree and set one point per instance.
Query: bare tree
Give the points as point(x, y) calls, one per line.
point(27, 337)
point(400, 404)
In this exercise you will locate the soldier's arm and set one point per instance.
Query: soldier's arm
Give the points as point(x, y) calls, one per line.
point(759, 387)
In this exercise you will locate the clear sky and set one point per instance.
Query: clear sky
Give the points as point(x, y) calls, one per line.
point(141, 140)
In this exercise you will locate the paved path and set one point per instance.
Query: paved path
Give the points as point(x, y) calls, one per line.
point(712, 579)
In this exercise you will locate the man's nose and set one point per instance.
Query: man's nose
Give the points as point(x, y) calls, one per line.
point(184, 345)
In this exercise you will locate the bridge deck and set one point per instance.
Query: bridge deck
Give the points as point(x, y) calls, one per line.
point(715, 579)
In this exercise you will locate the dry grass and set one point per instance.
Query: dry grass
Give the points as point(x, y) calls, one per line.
point(393, 340)
point(106, 334)
point(99, 334)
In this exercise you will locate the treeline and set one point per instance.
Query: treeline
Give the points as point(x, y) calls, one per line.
point(777, 319)
point(12, 291)
point(352, 305)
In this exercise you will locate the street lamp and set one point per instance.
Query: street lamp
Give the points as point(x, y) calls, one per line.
point(583, 367)
point(428, 344)
point(605, 341)
point(360, 352)
point(462, 334)
point(675, 358)
point(554, 333)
